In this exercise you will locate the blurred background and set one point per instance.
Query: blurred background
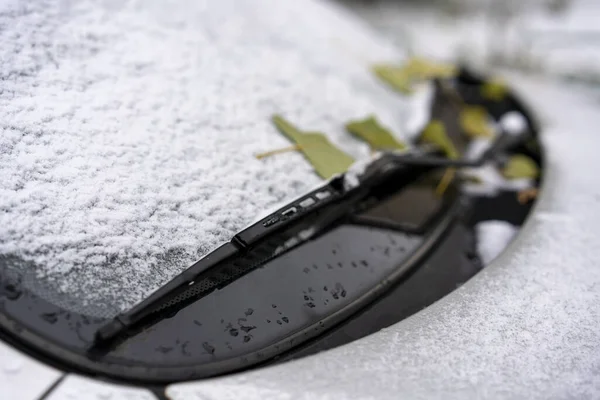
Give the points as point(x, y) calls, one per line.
point(551, 37)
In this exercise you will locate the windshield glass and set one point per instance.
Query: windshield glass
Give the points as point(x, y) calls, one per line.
point(127, 158)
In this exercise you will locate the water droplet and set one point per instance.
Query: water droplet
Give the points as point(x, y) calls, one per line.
point(164, 349)
point(249, 312)
point(208, 348)
point(11, 292)
point(285, 319)
point(247, 328)
point(50, 317)
point(247, 338)
point(234, 332)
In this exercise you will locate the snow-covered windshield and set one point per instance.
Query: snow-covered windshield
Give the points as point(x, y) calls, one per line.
point(129, 131)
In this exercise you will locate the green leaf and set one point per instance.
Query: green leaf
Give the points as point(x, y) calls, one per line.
point(435, 133)
point(378, 137)
point(475, 122)
point(494, 89)
point(402, 78)
point(425, 69)
point(520, 166)
point(397, 77)
point(326, 159)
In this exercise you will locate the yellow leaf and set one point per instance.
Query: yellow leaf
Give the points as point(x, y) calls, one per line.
point(435, 133)
point(421, 68)
point(378, 137)
point(397, 77)
point(402, 78)
point(326, 159)
point(474, 120)
point(520, 166)
point(494, 89)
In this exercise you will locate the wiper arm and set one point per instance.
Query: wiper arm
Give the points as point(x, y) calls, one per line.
point(335, 191)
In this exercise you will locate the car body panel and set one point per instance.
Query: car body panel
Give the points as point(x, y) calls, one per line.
point(23, 377)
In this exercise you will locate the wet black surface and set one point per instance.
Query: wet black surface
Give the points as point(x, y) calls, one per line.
point(453, 263)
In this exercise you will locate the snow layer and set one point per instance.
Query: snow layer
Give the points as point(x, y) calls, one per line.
point(129, 128)
point(492, 238)
point(23, 377)
point(75, 387)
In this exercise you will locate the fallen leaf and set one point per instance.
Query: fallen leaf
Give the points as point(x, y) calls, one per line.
point(378, 137)
point(402, 78)
point(397, 77)
point(326, 159)
point(520, 166)
point(527, 195)
point(475, 122)
point(435, 133)
point(494, 89)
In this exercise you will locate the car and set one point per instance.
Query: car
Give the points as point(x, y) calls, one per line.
point(162, 239)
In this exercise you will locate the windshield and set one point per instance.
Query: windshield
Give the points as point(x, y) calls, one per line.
point(145, 159)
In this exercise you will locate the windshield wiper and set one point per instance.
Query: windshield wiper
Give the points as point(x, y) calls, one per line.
point(336, 191)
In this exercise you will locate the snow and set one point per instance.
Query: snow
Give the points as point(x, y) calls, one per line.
point(489, 181)
point(419, 113)
point(129, 129)
point(22, 377)
point(513, 123)
point(476, 148)
point(357, 169)
point(75, 387)
point(492, 238)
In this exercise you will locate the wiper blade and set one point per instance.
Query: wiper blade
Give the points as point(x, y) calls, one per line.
point(335, 191)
